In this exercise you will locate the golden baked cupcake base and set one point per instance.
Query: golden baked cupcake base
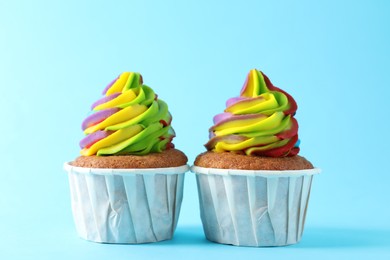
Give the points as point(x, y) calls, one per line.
point(167, 158)
point(229, 160)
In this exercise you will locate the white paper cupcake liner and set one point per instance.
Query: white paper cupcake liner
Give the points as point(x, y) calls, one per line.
point(253, 208)
point(126, 205)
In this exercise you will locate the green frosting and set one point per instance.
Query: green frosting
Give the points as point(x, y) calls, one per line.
point(140, 124)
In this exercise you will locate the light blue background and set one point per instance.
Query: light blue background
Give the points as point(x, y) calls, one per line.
point(332, 56)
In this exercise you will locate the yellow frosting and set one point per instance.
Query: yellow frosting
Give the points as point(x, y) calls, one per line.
point(130, 119)
point(258, 122)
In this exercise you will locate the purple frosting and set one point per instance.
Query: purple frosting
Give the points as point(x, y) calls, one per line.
point(230, 117)
point(109, 85)
point(234, 100)
point(94, 137)
point(221, 117)
point(98, 117)
point(104, 100)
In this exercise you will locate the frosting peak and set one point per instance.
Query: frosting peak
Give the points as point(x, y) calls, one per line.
point(129, 119)
point(258, 122)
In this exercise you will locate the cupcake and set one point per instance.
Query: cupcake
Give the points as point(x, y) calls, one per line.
point(253, 186)
point(127, 185)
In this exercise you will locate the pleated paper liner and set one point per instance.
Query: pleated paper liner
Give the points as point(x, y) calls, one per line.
point(126, 205)
point(253, 208)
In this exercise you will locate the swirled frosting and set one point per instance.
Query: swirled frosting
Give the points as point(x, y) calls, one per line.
point(129, 119)
point(258, 122)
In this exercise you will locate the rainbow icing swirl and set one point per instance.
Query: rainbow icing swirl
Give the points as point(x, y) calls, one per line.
point(258, 122)
point(129, 119)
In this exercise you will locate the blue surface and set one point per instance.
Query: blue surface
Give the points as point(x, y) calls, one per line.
point(189, 243)
point(333, 57)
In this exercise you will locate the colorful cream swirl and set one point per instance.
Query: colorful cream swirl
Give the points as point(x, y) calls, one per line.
point(129, 119)
point(258, 122)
